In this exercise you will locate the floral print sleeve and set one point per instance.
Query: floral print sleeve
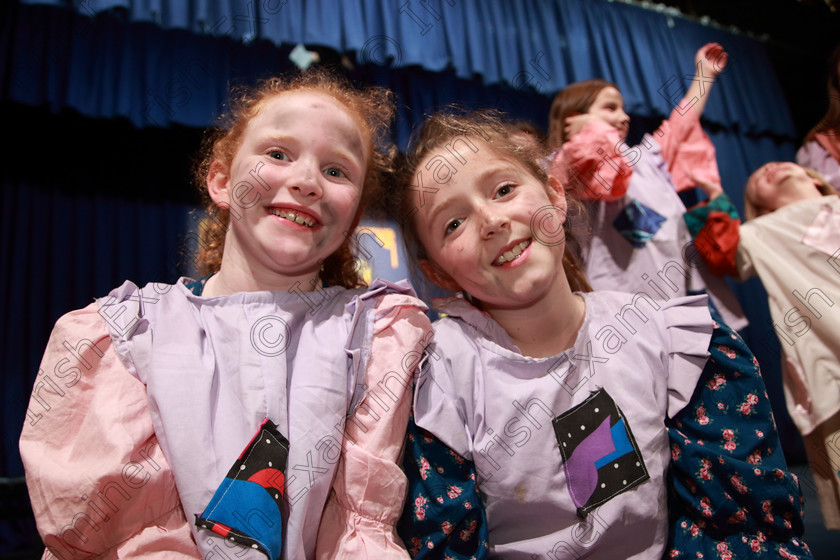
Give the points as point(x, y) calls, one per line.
point(443, 517)
point(730, 494)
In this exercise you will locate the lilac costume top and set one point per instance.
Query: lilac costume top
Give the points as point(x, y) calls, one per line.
point(814, 154)
point(571, 450)
point(214, 368)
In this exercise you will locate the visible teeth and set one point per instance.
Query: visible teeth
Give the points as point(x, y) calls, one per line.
point(292, 217)
point(514, 252)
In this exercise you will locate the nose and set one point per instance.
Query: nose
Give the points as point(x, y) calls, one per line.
point(493, 221)
point(625, 118)
point(306, 179)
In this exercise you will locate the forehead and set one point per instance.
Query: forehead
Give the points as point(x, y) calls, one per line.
point(451, 168)
point(313, 111)
point(608, 94)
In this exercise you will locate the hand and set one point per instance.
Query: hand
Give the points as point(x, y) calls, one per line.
point(712, 189)
point(575, 123)
point(711, 59)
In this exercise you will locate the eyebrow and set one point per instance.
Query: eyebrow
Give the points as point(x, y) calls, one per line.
point(482, 176)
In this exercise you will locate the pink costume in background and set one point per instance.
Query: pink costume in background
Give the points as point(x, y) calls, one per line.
point(103, 461)
point(510, 414)
point(639, 241)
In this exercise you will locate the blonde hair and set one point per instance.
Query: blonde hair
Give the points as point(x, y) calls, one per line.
point(372, 108)
point(753, 210)
point(488, 126)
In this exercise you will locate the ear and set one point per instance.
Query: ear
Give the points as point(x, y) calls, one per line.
point(557, 195)
point(433, 272)
point(217, 183)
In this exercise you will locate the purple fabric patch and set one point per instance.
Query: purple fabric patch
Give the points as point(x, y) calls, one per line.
point(600, 455)
point(583, 475)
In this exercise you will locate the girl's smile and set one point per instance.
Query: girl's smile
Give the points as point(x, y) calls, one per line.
point(293, 187)
point(477, 230)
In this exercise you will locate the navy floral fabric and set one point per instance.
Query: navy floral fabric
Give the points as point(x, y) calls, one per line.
point(444, 517)
point(730, 494)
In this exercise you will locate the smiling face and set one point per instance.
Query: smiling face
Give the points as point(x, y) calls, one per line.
point(481, 230)
point(293, 186)
point(609, 106)
point(778, 184)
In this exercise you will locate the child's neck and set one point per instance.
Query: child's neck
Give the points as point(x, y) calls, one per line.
point(232, 279)
point(546, 328)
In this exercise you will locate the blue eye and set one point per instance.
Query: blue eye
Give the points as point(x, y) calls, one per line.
point(335, 172)
point(453, 225)
point(278, 155)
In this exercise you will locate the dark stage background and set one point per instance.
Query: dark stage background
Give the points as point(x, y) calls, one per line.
point(104, 101)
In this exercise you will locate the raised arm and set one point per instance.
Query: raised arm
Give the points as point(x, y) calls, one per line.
point(709, 62)
point(715, 229)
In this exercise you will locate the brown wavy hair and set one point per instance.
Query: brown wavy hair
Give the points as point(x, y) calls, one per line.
point(373, 109)
point(575, 99)
point(490, 127)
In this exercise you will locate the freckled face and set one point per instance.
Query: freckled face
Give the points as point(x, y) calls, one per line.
point(484, 229)
point(778, 184)
point(294, 184)
point(609, 106)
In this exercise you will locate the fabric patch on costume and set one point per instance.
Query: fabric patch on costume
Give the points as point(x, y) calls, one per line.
point(824, 232)
point(247, 506)
point(637, 223)
point(600, 455)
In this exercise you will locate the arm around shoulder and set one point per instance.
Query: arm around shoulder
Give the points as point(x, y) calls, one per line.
point(99, 484)
point(362, 511)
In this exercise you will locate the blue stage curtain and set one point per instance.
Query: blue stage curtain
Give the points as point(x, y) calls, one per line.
point(162, 64)
point(525, 44)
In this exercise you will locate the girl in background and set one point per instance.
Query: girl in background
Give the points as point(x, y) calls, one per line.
point(821, 148)
point(571, 404)
point(210, 421)
point(638, 238)
point(791, 241)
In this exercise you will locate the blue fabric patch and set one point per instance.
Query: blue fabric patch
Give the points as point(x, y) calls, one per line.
point(637, 223)
point(247, 506)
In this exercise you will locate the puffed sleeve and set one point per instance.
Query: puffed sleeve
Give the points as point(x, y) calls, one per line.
point(444, 516)
point(689, 328)
point(590, 165)
point(99, 484)
point(730, 493)
point(715, 229)
point(687, 148)
point(369, 490)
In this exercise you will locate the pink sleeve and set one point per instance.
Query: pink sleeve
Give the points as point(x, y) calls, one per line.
point(369, 491)
point(687, 148)
point(99, 484)
point(594, 163)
